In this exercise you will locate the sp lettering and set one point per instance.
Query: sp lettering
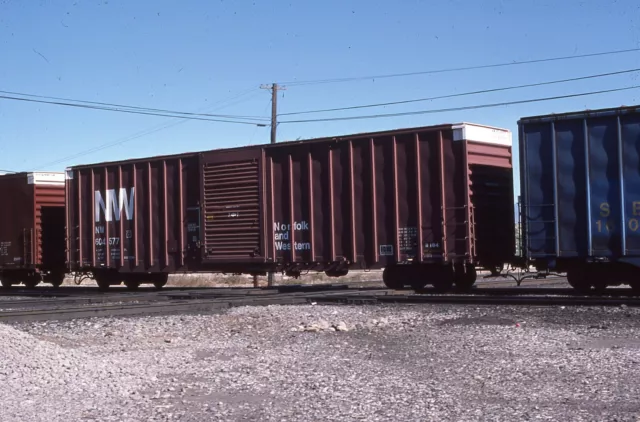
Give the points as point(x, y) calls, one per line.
point(112, 204)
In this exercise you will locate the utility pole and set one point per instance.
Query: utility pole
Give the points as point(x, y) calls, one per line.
point(274, 126)
point(274, 107)
point(274, 112)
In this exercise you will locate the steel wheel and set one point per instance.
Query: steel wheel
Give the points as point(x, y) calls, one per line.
point(578, 279)
point(132, 285)
point(103, 284)
point(160, 280)
point(392, 277)
point(443, 279)
point(443, 284)
point(465, 277)
point(57, 280)
point(159, 284)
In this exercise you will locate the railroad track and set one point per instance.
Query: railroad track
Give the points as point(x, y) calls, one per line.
point(482, 299)
point(45, 291)
point(159, 304)
point(88, 303)
point(206, 301)
point(69, 297)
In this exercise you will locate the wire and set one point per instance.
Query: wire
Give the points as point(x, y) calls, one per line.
point(461, 94)
point(136, 107)
point(455, 69)
point(149, 131)
point(182, 115)
point(443, 110)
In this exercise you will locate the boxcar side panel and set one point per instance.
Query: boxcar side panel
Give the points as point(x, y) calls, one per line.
point(305, 179)
point(299, 182)
point(369, 201)
point(571, 148)
point(385, 199)
point(341, 221)
point(538, 175)
point(361, 212)
point(458, 245)
point(604, 186)
point(630, 134)
point(16, 222)
point(407, 170)
point(429, 195)
point(134, 216)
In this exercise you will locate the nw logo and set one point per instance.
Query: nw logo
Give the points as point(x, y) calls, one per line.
point(114, 204)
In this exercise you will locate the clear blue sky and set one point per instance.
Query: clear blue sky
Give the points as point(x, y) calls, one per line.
point(191, 55)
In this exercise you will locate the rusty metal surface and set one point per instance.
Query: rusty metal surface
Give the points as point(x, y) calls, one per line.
point(30, 198)
point(364, 200)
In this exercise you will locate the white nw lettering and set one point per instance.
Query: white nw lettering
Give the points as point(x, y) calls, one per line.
point(114, 204)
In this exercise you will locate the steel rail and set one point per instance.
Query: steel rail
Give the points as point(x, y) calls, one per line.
point(481, 299)
point(167, 307)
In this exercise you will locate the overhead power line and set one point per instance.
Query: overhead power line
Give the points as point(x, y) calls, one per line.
point(456, 69)
point(484, 91)
point(183, 115)
point(147, 132)
point(444, 110)
point(148, 109)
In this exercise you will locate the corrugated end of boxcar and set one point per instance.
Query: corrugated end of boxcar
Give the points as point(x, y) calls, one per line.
point(32, 235)
point(489, 158)
point(49, 199)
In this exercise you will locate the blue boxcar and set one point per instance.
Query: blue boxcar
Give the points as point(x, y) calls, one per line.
point(580, 206)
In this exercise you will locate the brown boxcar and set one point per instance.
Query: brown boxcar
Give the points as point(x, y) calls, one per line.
point(428, 204)
point(32, 228)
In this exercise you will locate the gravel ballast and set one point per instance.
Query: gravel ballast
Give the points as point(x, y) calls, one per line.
point(312, 363)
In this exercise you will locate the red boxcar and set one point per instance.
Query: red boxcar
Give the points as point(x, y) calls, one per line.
point(32, 233)
point(428, 204)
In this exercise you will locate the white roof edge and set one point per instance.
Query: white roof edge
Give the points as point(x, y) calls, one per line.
point(482, 133)
point(461, 124)
point(46, 178)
